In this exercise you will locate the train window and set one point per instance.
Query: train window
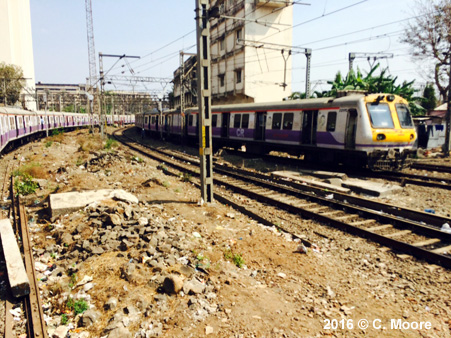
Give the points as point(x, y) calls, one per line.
point(276, 120)
point(147, 120)
point(245, 121)
point(190, 120)
point(331, 120)
point(237, 121)
point(152, 120)
point(405, 119)
point(12, 123)
point(288, 121)
point(380, 115)
point(214, 121)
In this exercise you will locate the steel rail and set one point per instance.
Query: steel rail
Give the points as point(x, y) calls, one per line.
point(35, 324)
point(431, 167)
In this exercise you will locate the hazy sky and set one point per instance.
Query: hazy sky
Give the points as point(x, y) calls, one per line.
point(331, 28)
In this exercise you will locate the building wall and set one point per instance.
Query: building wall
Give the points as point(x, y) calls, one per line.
point(16, 42)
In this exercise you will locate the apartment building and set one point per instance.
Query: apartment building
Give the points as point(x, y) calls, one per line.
point(247, 61)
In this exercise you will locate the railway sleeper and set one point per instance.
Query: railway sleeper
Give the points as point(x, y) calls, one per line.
point(442, 250)
point(427, 242)
point(380, 227)
point(399, 233)
point(346, 217)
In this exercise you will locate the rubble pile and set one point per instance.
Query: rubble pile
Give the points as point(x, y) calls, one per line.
point(147, 250)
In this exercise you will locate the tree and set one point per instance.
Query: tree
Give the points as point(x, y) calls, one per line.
point(429, 36)
point(429, 101)
point(11, 83)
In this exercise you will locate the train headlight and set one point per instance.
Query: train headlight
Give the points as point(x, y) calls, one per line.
point(380, 137)
point(390, 98)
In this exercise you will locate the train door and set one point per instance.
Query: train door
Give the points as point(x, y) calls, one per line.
point(309, 126)
point(351, 129)
point(225, 125)
point(260, 125)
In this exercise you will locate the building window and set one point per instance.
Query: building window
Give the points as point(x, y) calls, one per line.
point(238, 75)
point(222, 80)
point(331, 120)
point(239, 34)
point(222, 43)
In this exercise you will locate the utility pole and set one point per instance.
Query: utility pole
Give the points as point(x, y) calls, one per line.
point(448, 111)
point(203, 13)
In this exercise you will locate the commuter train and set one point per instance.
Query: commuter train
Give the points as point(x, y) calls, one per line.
point(374, 131)
point(17, 124)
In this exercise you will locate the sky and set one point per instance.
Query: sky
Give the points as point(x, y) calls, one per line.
point(158, 30)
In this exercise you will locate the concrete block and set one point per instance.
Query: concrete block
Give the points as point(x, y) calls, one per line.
point(297, 177)
point(68, 202)
point(18, 278)
point(372, 188)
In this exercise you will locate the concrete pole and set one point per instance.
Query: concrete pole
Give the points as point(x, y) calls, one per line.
point(446, 146)
point(204, 101)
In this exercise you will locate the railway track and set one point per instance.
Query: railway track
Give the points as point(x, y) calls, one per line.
point(404, 230)
point(32, 306)
point(400, 177)
point(431, 167)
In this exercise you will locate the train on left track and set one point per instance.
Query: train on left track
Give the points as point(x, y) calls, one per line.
point(18, 125)
point(373, 131)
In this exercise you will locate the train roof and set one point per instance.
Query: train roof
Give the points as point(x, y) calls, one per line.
point(314, 103)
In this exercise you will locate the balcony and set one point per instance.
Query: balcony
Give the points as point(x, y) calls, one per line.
point(272, 3)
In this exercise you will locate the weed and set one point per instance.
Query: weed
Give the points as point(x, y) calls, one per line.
point(64, 319)
point(79, 162)
point(137, 159)
point(24, 185)
point(48, 144)
point(237, 259)
point(166, 184)
point(53, 255)
point(78, 306)
point(186, 177)
point(110, 143)
point(178, 190)
point(57, 132)
point(32, 169)
point(163, 168)
point(73, 280)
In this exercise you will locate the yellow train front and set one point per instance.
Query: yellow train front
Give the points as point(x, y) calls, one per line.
point(387, 132)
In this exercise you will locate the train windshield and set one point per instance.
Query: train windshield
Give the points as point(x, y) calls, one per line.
point(405, 119)
point(380, 115)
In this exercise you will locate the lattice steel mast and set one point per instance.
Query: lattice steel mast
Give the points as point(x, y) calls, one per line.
point(91, 46)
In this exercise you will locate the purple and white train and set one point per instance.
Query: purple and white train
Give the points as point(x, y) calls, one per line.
point(374, 131)
point(17, 124)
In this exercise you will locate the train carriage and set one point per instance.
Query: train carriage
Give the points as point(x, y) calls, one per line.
point(373, 130)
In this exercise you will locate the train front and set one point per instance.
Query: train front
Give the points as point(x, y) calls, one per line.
point(392, 132)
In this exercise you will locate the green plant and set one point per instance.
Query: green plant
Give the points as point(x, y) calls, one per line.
point(110, 143)
point(79, 162)
point(64, 319)
point(237, 259)
point(78, 306)
point(58, 131)
point(186, 177)
point(73, 280)
point(163, 168)
point(48, 144)
point(166, 184)
point(24, 185)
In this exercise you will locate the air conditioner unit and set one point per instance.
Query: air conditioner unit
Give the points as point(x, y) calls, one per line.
point(272, 3)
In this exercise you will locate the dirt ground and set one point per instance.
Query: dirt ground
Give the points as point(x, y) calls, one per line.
point(256, 282)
